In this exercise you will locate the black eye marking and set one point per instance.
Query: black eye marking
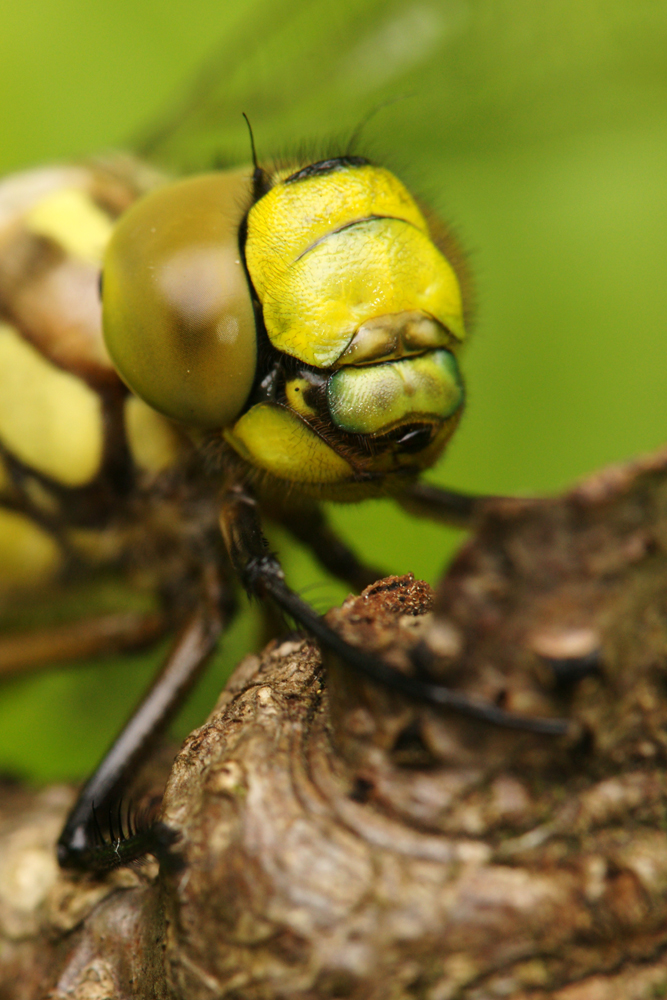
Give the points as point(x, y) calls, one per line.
point(327, 167)
point(410, 438)
point(100, 284)
point(415, 439)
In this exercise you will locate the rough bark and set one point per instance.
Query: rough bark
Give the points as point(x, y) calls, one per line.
point(337, 840)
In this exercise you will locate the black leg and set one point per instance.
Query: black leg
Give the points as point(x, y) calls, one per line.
point(80, 845)
point(447, 506)
point(262, 574)
point(311, 528)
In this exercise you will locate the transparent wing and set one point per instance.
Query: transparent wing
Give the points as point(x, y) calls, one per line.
point(303, 68)
point(540, 130)
point(469, 76)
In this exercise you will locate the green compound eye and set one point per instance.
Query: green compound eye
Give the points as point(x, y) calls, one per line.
point(371, 399)
point(178, 319)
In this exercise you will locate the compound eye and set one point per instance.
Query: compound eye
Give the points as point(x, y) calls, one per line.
point(177, 314)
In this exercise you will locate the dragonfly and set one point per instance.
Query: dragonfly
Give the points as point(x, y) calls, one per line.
point(158, 489)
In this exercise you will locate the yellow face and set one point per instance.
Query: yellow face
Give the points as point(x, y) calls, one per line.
point(315, 323)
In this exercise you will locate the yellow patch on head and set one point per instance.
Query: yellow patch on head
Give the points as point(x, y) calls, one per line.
point(294, 391)
point(302, 212)
point(49, 419)
point(330, 252)
point(73, 220)
point(275, 440)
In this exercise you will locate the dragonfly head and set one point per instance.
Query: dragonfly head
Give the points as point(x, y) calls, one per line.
point(316, 325)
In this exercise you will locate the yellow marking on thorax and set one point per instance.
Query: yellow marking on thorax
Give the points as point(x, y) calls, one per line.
point(73, 220)
point(28, 555)
point(154, 443)
point(21, 192)
point(49, 419)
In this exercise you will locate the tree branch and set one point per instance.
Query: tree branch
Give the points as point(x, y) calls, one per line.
point(337, 840)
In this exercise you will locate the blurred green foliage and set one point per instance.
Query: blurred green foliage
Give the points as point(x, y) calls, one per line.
point(538, 128)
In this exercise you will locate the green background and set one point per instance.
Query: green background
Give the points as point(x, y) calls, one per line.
point(539, 129)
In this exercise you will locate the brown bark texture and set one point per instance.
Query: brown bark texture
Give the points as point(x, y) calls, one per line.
point(338, 840)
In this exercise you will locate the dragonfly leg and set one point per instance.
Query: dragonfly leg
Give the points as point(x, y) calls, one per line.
point(262, 575)
point(446, 506)
point(311, 528)
point(77, 640)
point(79, 846)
